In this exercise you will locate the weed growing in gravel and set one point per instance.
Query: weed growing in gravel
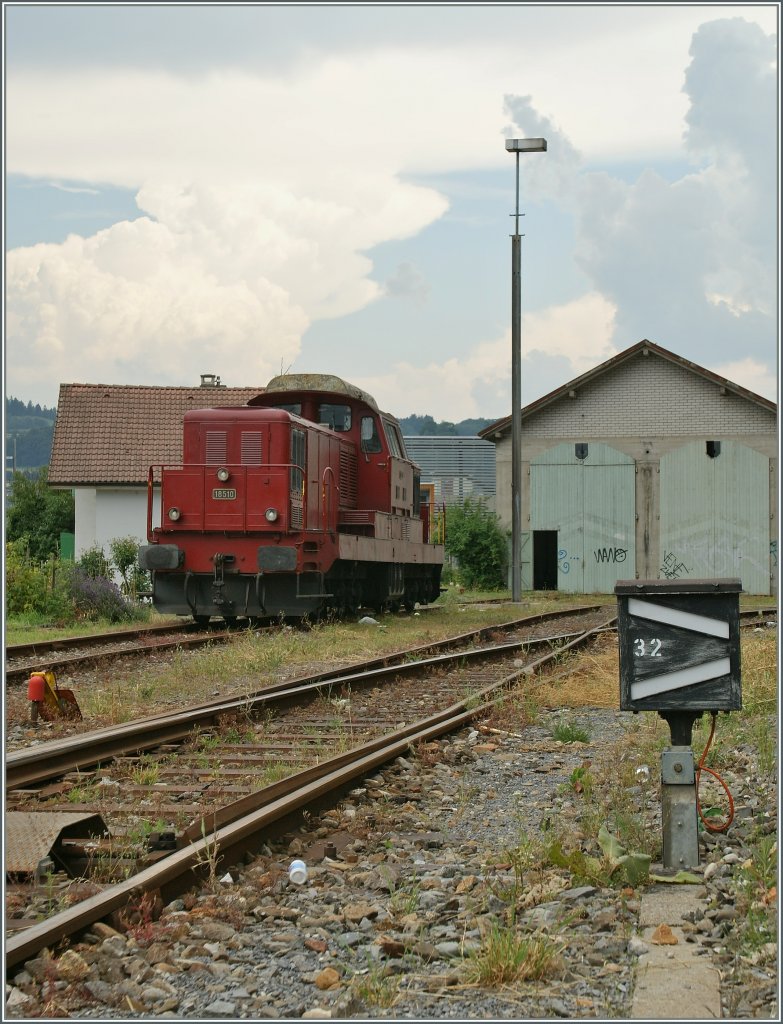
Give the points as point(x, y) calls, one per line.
point(505, 956)
point(146, 773)
point(403, 899)
point(567, 731)
point(757, 902)
point(522, 858)
point(376, 987)
point(82, 794)
point(465, 796)
point(208, 858)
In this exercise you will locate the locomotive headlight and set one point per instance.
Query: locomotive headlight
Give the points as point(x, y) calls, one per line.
point(223, 474)
point(271, 515)
point(174, 513)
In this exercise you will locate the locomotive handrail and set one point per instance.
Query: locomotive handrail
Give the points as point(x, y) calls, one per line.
point(150, 475)
point(325, 506)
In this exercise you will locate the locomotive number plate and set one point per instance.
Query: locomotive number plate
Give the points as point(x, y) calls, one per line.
point(224, 493)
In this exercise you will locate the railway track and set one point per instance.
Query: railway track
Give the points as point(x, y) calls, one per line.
point(72, 653)
point(305, 739)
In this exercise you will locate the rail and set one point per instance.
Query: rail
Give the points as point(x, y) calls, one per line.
point(235, 837)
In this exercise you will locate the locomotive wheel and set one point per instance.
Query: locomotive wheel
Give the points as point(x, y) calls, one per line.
point(201, 620)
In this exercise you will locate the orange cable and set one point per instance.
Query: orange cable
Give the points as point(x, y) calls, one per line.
point(701, 767)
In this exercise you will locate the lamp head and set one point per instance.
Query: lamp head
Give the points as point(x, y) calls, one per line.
point(526, 145)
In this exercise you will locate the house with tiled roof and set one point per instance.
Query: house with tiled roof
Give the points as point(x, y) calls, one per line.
point(648, 466)
point(106, 438)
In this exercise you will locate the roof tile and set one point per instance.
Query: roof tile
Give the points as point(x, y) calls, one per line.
point(112, 434)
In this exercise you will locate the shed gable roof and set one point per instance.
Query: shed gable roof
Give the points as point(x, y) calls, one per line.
point(503, 426)
point(111, 434)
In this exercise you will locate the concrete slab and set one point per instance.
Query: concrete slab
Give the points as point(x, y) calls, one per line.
point(674, 981)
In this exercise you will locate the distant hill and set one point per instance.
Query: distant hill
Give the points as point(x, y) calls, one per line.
point(425, 426)
point(28, 434)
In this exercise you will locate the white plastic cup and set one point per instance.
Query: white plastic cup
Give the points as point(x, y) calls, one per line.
point(297, 872)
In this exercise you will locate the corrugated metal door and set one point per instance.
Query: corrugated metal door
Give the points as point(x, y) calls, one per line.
point(590, 501)
point(715, 515)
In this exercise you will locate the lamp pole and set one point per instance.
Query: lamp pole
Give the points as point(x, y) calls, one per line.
point(517, 146)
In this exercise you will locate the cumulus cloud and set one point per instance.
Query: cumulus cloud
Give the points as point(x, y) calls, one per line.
point(750, 374)
point(693, 260)
point(557, 344)
point(211, 277)
point(407, 282)
point(264, 194)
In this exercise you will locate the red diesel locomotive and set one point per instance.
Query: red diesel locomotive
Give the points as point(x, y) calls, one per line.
point(301, 502)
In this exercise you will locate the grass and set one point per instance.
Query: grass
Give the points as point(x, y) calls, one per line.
point(506, 956)
point(252, 659)
point(376, 987)
point(31, 629)
point(567, 731)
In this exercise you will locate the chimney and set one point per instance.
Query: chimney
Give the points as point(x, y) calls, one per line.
point(210, 380)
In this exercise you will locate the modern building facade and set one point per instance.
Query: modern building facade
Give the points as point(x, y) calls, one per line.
point(458, 467)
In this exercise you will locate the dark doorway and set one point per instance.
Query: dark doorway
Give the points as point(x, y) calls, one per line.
point(544, 559)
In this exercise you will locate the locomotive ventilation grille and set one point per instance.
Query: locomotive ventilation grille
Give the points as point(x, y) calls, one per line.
point(216, 447)
point(297, 513)
point(251, 448)
point(347, 478)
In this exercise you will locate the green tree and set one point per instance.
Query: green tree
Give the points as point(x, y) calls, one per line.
point(475, 539)
point(38, 514)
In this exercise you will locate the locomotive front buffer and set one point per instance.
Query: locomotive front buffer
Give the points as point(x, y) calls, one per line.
point(679, 656)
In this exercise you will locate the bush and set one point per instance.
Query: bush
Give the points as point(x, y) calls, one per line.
point(475, 539)
point(37, 588)
point(94, 563)
point(99, 598)
point(62, 593)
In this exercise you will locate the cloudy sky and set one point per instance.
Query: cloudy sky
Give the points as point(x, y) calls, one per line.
point(245, 189)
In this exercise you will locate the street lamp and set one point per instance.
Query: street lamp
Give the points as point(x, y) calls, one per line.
point(517, 146)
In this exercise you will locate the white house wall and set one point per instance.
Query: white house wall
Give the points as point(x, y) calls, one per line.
point(103, 515)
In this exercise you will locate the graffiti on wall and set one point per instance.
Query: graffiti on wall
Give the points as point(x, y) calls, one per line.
point(673, 568)
point(564, 560)
point(773, 553)
point(610, 554)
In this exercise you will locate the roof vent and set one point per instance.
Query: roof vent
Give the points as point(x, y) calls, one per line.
point(210, 380)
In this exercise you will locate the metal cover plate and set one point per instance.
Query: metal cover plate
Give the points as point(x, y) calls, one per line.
point(30, 836)
point(677, 768)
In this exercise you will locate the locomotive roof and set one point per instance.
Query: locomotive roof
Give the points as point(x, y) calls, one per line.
point(325, 383)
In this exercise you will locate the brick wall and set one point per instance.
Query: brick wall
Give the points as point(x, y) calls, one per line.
point(649, 396)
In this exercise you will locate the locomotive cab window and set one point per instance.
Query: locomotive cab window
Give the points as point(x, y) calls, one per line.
point(292, 407)
point(371, 442)
point(393, 436)
point(337, 417)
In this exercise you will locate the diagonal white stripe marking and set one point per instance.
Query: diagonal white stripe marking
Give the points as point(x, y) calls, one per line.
point(674, 617)
point(682, 677)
